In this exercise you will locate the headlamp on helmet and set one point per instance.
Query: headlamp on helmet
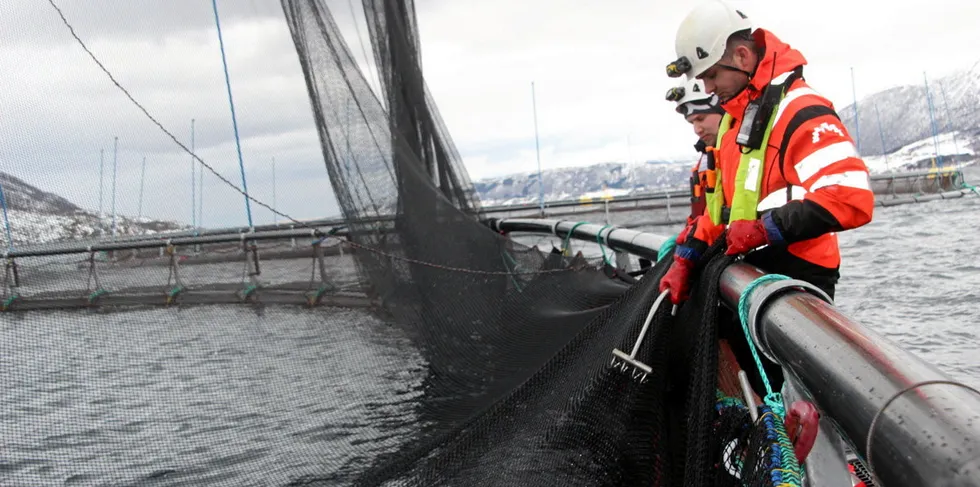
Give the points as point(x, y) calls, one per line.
point(703, 35)
point(676, 93)
point(677, 68)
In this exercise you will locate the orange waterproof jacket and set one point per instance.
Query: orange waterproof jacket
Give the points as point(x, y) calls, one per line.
point(698, 181)
point(821, 170)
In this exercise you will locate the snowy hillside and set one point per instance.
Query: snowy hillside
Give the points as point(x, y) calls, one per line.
point(905, 116)
point(919, 155)
point(38, 217)
point(611, 178)
point(615, 178)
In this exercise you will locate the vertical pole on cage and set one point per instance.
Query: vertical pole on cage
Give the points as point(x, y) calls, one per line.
point(193, 184)
point(6, 219)
point(932, 119)
point(629, 154)
point(101, 180)
point(200, 198)
point(881, 135)
point(949, 119)
point(857, 116)
point(275, 216)
point(139, 216)
point(115, 160)
point(537, 149)
point(234, 120)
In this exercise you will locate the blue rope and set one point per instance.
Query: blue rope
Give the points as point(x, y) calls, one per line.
point(6, 220)
point(773, 399)
point(667, 247)
point(784, 468)
point(234, 122)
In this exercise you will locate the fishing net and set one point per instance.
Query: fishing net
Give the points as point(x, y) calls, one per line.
point(480, 360)
point(519, 343)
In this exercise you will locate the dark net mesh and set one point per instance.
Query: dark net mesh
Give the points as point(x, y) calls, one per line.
point(519, 387)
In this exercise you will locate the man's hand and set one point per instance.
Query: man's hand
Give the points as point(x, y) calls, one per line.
point(746, 235)
point(678, 279)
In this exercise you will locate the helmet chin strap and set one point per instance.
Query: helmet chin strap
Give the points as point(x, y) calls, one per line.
point(737, 70)
point(733, 68)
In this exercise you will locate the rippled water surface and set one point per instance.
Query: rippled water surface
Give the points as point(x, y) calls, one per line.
point(198, 396)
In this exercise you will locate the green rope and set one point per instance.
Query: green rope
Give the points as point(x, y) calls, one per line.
point(723, 401)
point(667, 247)
point(971, 187)
point(564, 246)
point(773, 399)
point(10, 301)
point(780, 463)
point(248, 291)
point(505, 256)
point(784, 468)
point(98, 292)
point(598, 239)
point(312, 297)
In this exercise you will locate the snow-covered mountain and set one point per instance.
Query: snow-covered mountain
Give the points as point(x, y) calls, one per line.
point(954, 149)
point(905, 115)
point(906, 130)
point(612, 178)
point(38, 217)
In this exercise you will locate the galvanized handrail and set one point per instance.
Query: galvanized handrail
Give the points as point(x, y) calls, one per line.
point(929, 436)
point(63, 248)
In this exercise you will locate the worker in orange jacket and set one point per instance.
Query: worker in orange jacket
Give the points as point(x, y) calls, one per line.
point(790, 176)
point(702, 110)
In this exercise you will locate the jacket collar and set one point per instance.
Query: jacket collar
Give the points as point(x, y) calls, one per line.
point(778, 58)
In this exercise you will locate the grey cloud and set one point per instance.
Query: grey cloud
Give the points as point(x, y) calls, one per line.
point(60, 109)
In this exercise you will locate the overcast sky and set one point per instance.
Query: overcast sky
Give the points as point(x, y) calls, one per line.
point(598, 68)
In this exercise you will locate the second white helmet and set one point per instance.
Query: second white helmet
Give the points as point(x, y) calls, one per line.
point(691, 97)
point(702, 36)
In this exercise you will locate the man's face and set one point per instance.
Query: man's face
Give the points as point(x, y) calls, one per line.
point(706, 126)
point(726, 82)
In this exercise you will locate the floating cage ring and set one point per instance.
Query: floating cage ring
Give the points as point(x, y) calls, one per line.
point(895, 396)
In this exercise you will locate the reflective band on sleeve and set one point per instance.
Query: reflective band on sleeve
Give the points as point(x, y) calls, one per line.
point(851, 179)
point(821, 158)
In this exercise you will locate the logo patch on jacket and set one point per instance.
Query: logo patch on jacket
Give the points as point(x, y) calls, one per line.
point(825, 128)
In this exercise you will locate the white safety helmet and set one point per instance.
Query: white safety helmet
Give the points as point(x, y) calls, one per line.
point(691, 97)
point(702, 36)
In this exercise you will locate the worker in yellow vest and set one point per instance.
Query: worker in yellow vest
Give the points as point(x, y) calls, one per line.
point(702, 110)
point(789, 174)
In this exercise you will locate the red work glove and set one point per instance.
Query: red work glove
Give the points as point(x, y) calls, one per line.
point(678, 279)
point(747, 235)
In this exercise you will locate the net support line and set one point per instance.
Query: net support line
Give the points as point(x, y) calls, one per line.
point(234, 119)
point(6, 219)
